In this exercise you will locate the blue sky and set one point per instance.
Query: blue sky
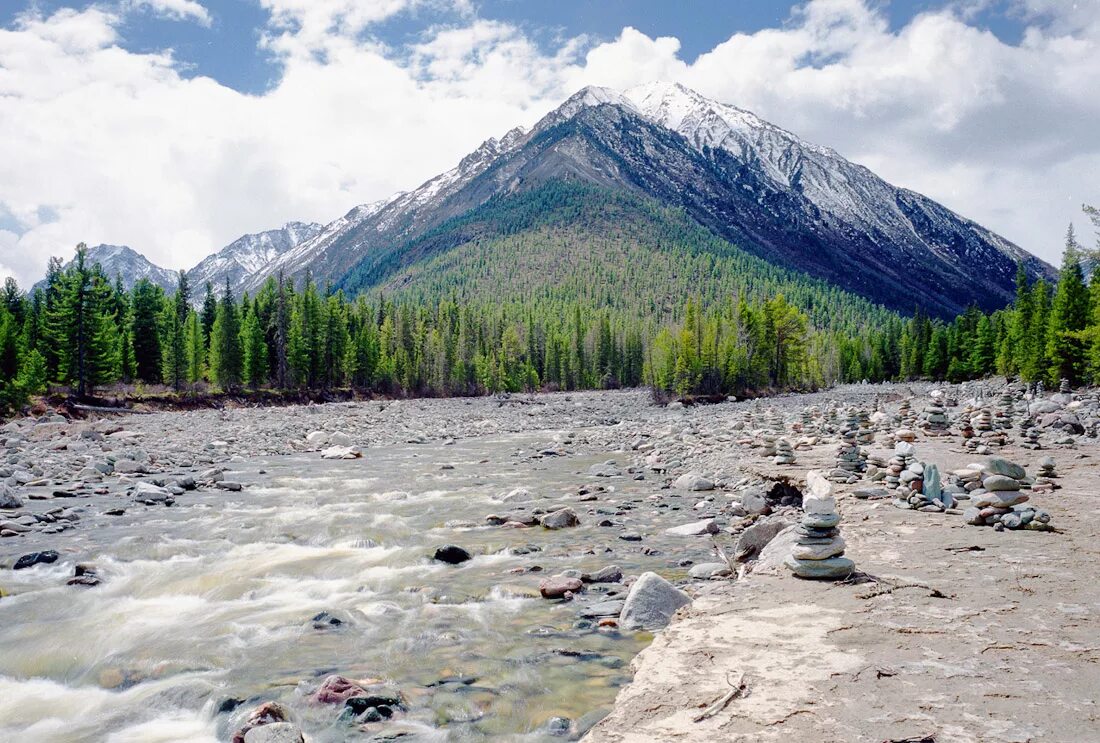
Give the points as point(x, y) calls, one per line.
point(175, 126)
point(229, 50)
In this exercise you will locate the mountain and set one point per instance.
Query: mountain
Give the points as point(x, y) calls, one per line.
point(239, 261)
point(749, 182)
point(119, 260)
point(249, 255)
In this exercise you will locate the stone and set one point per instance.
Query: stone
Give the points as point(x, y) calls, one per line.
point(707, 570)
point(754, 502)
point(452, 554)
point(36, 558)
point(832, 568)
point(651, 602)
point(337, 689)
point(9, 501)
point(819, 506)
point(276, 732)
point(557, 586)
point(1000, 483)
point(269, 713)
point(560, 519)
point(608, 574)
point(998, 466)
point(1000, 499)
point(317, 438)
point(341, 452)
point(609, 608)
point(752, 541)
point(696, 529)
point(693, 481)
point(813, 551)
point(820, 520)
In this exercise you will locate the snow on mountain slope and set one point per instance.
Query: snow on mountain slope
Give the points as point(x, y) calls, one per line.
point(119, 260)
point(249, 255)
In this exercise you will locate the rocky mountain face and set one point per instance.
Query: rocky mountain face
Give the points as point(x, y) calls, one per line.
point(760, 187)
point(119, 260)
point(749, 182)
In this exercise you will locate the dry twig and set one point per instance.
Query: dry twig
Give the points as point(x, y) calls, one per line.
point(735, 691)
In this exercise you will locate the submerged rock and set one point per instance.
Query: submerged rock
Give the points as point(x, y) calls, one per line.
point(651, 603)
point(560, 519)
point(558, 586)
point(269, 713)
point(276, 732)
point(35, 558)
point(452, 554)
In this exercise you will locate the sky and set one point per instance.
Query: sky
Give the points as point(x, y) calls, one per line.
point(175, 126)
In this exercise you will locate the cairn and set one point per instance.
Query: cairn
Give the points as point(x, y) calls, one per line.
point(933, 419)
point(1031, 435)
point(818, 551)
point(849, 458)
point(784, 453)
point(1046, 467)
point(767, 445)
point(1063, 387)
point(1003, 504)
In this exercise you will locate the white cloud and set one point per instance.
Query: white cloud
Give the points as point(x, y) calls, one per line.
point(178, 10)
point(104, 145)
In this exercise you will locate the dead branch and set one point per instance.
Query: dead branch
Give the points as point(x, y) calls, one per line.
point(735, 691)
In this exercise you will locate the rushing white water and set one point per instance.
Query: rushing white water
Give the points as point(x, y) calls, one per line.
point(205, 607)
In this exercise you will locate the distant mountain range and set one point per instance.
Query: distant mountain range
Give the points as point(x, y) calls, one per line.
point(746, 182)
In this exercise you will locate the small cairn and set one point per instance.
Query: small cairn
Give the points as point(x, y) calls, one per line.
point(1063, 387)
point(1031, 435)
point(849, 458)
point(1044, 481)
point(784, 452)
point(865, 434)
point(933, 419)
point(1001, 501)
point(1047, 467)
point(767, 445)
point(819, 550)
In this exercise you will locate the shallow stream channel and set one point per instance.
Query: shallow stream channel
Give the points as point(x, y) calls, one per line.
point(226, 600)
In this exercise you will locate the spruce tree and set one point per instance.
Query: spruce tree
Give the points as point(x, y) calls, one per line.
point(209, 313)
point(225, 344)
point(196, 348)
point(255, 351)
point(1068, 314)
point(147, 302)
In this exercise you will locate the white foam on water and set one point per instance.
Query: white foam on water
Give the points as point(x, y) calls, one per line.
point(44, 711)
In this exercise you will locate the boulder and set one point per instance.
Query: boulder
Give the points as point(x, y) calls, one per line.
point(693, 481)
point(754, 502)
point(337, 690)
point(36, 558)
point(651, 602)
point(317, 438)
point(707, 570)
point(557, 586)
point(451, 554)
point(341, 452)
point(608, 574)
point(9, 501)
point(695, 529)
point(560, 519)
point(269, 713)
point(752, 541)
point(276, 732)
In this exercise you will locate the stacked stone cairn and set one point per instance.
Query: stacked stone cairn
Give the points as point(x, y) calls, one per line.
point(933, 419)
point(1063, 387)
point(1001, 502)
point(905, 412)
point(767, 444)
point(1044, 481)
point(784, 452)
point(818, 551)
point(849, 458)
point(1031, 435)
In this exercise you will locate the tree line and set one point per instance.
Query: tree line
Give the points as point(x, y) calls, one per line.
point(84, 331)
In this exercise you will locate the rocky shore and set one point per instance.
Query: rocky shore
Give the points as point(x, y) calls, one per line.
point(936, 630)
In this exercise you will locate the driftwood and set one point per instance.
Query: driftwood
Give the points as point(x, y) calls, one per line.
point(735, 691)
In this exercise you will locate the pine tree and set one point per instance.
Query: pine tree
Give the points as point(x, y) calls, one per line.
point(225, 344)
point(175, 334)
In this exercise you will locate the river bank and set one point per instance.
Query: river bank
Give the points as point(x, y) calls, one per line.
point(989, 663)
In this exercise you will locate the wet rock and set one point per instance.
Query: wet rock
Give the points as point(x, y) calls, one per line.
point(385, 704)
point(696, 529)
point(452, 554)
point(36, 558)
point(560, 519)
point(269, 713)
point(276, 732)
point(630, 536)
point(341, 452)
point(651, 602)
point(608, 574)
point(326, 620)
point(337, 689)
point(85, 575)
point(609, 608)
point(558, 586)
point(754, 502)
